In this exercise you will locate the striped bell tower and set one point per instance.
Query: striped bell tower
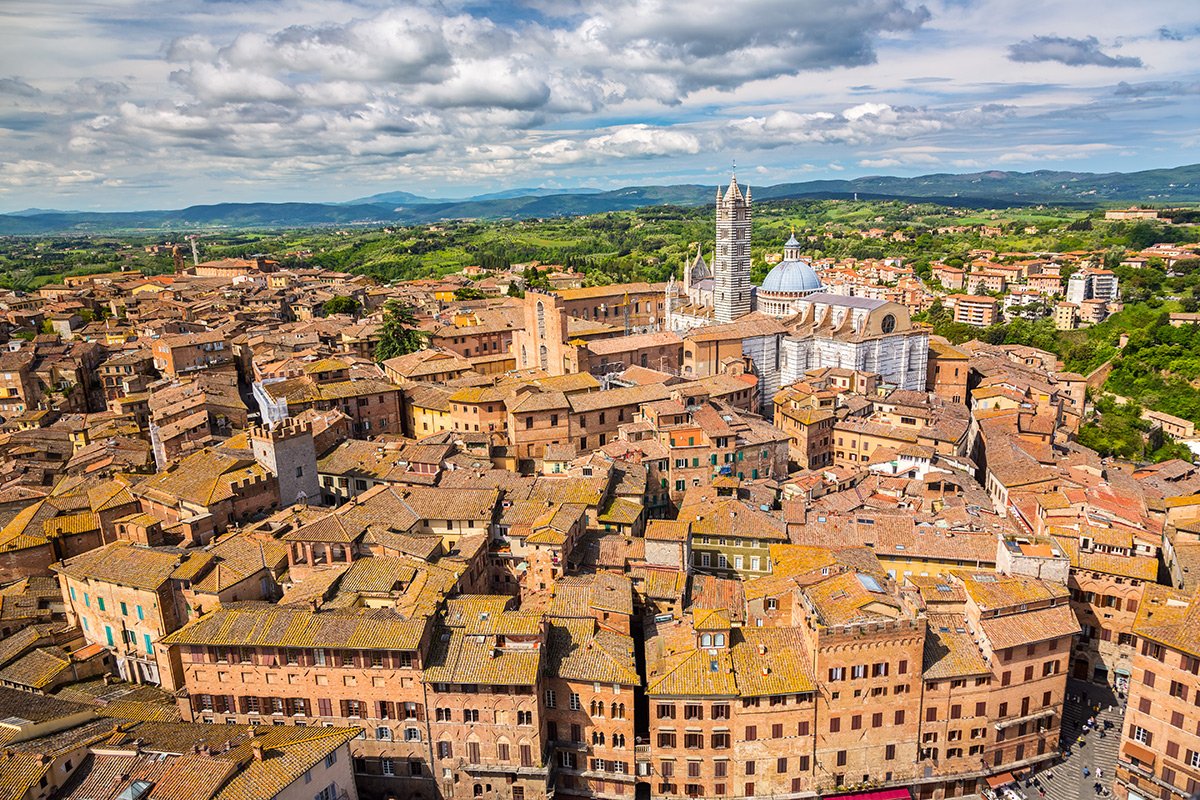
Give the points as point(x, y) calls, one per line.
point(731, 261)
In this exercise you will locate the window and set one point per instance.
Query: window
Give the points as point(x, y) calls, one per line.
point(412, 734)
point(751, 733)
point(1141, 735)
point(666, 739)
point(550, 699)
point(575, 705)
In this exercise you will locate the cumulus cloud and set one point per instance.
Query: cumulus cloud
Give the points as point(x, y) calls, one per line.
point(858, 125)
point(262, 92)
point(1065, 50)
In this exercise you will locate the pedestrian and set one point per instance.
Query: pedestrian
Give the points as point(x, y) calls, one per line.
point(1099, 772)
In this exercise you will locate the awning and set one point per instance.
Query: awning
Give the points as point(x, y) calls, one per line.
point(996, 781)
point(1122, 672)
point(1135, 750)
point(883, 794)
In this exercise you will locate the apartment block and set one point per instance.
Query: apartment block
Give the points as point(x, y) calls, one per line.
point(974, 310)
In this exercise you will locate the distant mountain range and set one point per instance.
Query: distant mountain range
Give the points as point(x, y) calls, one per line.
point(408, 198)
point(978, 190)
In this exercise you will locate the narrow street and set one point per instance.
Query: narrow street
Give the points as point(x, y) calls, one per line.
point(1097, 754)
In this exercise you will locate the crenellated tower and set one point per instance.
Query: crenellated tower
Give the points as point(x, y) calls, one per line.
point(731, 261)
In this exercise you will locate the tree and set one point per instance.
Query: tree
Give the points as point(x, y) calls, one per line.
point(342, 305)
point(398, 335)
point(467, 293)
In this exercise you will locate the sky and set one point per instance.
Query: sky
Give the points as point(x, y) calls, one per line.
point(140, 104)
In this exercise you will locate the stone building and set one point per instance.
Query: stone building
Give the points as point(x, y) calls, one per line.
point(855, 333)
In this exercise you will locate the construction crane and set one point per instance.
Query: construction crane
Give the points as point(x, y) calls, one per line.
point(625, 305)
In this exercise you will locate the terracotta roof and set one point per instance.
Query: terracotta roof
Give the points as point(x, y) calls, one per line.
point(124, 564)
point(578, 650)
point(950, 650)
point(1030, 626)
point(265, 625)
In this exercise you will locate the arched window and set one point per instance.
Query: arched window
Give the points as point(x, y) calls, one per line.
point(541, 320)
point(479, 790)
point(718, 640)
point(524, 356)
point(543, 357)
point(706, 640)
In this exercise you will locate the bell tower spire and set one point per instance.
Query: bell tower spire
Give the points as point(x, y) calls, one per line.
point(731, 261)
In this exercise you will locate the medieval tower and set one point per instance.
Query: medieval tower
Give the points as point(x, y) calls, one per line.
point(288, 450)
point(731, 262)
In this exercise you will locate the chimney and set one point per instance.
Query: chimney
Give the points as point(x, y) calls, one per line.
point(256, 748)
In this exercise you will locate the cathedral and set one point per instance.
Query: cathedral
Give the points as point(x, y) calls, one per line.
point(821, 329)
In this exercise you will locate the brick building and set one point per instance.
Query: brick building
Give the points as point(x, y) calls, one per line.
point(123, 597)
point(1159, 754)
point(176, 355)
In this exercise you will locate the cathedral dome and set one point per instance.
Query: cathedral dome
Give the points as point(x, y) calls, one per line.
point(789, 277)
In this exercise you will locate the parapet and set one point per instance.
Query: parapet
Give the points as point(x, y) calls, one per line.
point(282, 431)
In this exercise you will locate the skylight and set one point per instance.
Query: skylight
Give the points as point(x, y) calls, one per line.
point(869, 583)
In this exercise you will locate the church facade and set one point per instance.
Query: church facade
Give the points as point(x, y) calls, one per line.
point(818, 329)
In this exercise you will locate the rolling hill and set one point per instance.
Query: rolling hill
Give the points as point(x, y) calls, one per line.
point(993, 189)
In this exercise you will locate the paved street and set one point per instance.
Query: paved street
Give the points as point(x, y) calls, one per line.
point(1069, 782)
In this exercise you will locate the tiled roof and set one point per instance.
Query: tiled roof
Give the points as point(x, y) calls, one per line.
point(991, 590)
point(458, 658)
point(1169, 617)
point(264, 625)
point(667, 530)
point(20, 774)
point(1030, 626)
point(288, 753)
point(124, 564)
point(205, 478)
point(675, 667)
point(37, 669)
point(579, 651)
point(844, 599)
point(771, 661)
point(950, 650)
